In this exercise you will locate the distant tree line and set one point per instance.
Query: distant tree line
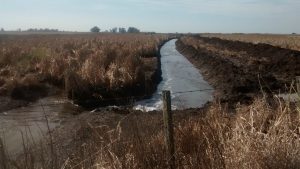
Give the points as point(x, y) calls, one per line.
point(96, 29)
point(42, 30)
point(34, 30)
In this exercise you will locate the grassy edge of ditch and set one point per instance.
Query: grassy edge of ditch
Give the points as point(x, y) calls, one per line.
point(17, 92)
point(125, 95)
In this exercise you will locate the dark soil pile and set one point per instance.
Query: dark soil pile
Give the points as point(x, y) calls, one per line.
point(239, 71)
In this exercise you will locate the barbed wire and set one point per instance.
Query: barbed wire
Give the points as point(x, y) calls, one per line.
point(192, 91)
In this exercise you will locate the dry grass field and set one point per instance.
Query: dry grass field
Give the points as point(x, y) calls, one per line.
point(149, 84)
point(95, 66)
point(262, 133)
point(284, 41)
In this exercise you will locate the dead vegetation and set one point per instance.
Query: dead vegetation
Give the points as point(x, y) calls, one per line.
point(257, 136)
point(96, 67)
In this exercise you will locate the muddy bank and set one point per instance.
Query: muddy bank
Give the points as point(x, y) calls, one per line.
point(20, 92)
point(240, 71)
point(7, 103)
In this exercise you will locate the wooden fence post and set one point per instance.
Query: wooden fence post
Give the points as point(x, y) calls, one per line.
point(298, 84)
point(298, 92)
point(3, 160)
point(168, 125)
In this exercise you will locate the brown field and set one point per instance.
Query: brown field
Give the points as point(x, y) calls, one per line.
point(89, 67)
point(246, 126)
point(284, 41)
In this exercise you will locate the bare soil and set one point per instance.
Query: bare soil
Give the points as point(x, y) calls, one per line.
point(240, 71)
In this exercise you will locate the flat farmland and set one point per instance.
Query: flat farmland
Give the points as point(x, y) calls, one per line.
point(291, 41)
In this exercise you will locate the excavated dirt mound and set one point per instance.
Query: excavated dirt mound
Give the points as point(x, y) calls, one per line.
point(240, 71)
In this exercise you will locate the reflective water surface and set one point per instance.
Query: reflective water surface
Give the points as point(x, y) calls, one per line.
point(188, 88)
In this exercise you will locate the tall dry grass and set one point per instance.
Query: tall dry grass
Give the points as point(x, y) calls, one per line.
point(256, 136)
point(98, 63)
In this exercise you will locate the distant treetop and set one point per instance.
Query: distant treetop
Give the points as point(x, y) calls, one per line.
point(122, 30)
point(133, 30)
point(95, 29)
point(114, 30)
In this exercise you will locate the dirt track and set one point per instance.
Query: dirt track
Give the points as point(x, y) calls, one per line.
point(240, 70)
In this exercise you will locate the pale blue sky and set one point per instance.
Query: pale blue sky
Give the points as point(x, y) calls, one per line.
point(248, 16)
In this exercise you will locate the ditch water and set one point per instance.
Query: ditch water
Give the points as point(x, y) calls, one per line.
point(33, 122)
point(27, 125)
point(187, 86)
